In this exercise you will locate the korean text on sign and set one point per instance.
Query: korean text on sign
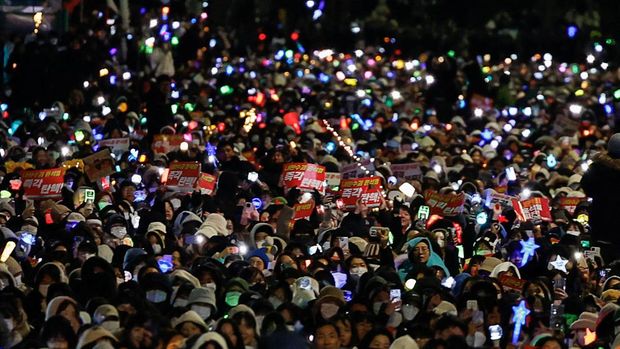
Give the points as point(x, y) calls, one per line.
point(445, 204)
point(367, 190)
point(534, 209)
point(183, 176)
point(43, 184)
point(304, 176)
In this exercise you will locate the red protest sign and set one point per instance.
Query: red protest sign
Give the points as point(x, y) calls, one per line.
point(534, 209)
point(445, 204)
point(43, 184)
point(303, 211)
point(511, 283)
point(206, 183)
point(163, 144)
point(571, 203)
point(303, 176)
point(182, 176)
point(406, 171)
point(368, 190)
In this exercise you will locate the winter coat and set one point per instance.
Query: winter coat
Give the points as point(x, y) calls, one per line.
point(602, 183)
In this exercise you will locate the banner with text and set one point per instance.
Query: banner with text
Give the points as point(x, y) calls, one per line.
point(368, 190)
point(534, 209)
point(182, 176)
point(43, 184)
point(446, 205)
point(304, 176)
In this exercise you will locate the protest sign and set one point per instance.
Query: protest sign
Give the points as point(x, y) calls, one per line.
point(43, 184)
point(206, 183)
point(304, 176)
point(445, 204)
point(534, 209)
point(368, 190)
point(303, 211)
point(98, 165)
point(163, 144)
point(406, 171)
point(182, 176)
point(118, 146)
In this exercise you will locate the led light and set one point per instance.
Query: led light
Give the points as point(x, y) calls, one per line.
point(526, 133)
point(252, 176)
point(407, 189)
point(410, 284)
point(103, 72)
point(305, 197)
point(153, 23)
point(65, 151)
point(79, 135)
point(184, 146)
point(136, 179)
point(481, 218)
point(8, 249)
point(526, 193)
point(86, 84)
point(437, 168)
point(478, 112)
point(575, 109)
point(429, 79)
point(106, 110)
point(100, 100)
point(258, 203)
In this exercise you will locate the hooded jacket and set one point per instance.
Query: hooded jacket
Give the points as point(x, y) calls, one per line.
point(602, 183)
point(433, 259)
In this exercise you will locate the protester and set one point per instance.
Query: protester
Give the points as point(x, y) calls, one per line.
point(178, 193)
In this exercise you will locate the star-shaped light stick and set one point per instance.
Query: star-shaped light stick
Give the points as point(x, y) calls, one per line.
point(559, 263)
point(527, 248)
point(520, 312)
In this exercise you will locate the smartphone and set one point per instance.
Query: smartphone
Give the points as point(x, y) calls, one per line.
point(378, 231)
point(585, 243)
point(556, 320)
point(496, 332)
point(344, 242)
point(510, 174)
point(348, 295)
point(395, 298)
point(472, 304)
point(560, 283)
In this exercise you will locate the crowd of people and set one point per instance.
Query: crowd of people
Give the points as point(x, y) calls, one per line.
point(301, 198)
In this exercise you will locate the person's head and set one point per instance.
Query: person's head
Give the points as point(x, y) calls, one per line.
point(247, 327)
point(613, 146)
point(230, 330)
point(421, 252)
point(550, 343)
point(345, 330)
point(168, 210)
point(58, 334)
point(377, 339)
point(448, 326)
point(405, 216)
point(127, 191)
point(326, 336)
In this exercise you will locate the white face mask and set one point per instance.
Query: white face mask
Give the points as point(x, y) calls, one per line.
point(358, 271)
point(156, 248)
point(118, 232)
point(156, 296)
point(376, 307)
point(477, 340)
point(328, 310)
point(18, 280)
point(210, 285)
point(203, 310)
point(409, 311)
point(43, 290)
point(180, 303)
point(111, 326)
point(441, 243)
point(4, 283)
point(10, 325)
point(275, 301)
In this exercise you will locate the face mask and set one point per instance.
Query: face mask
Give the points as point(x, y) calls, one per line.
point(477, 340)
point(156, 248)
point(232, 298)
point(261, 243)
point(102, 205)
point(441, 243)
point(409, 311)
point(259, 320)
point(202, 310)
point(210, 285)
point(328, 310)
point(111, 326)
point(104, 345)
point(156, 296)
point(180, 303)
point(4, 283)
point(118, 232)
point(119, 281)
point(275, 301)
point(358, 271)
point(9, 324)
point(18, 280)
point(43, 290)
point(376, 307)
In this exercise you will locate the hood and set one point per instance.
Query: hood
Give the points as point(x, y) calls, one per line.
point(502, 267)
point(208, 337)
point(215, 224)
point(259, 227)
point(433, 260)
point(54, 304)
